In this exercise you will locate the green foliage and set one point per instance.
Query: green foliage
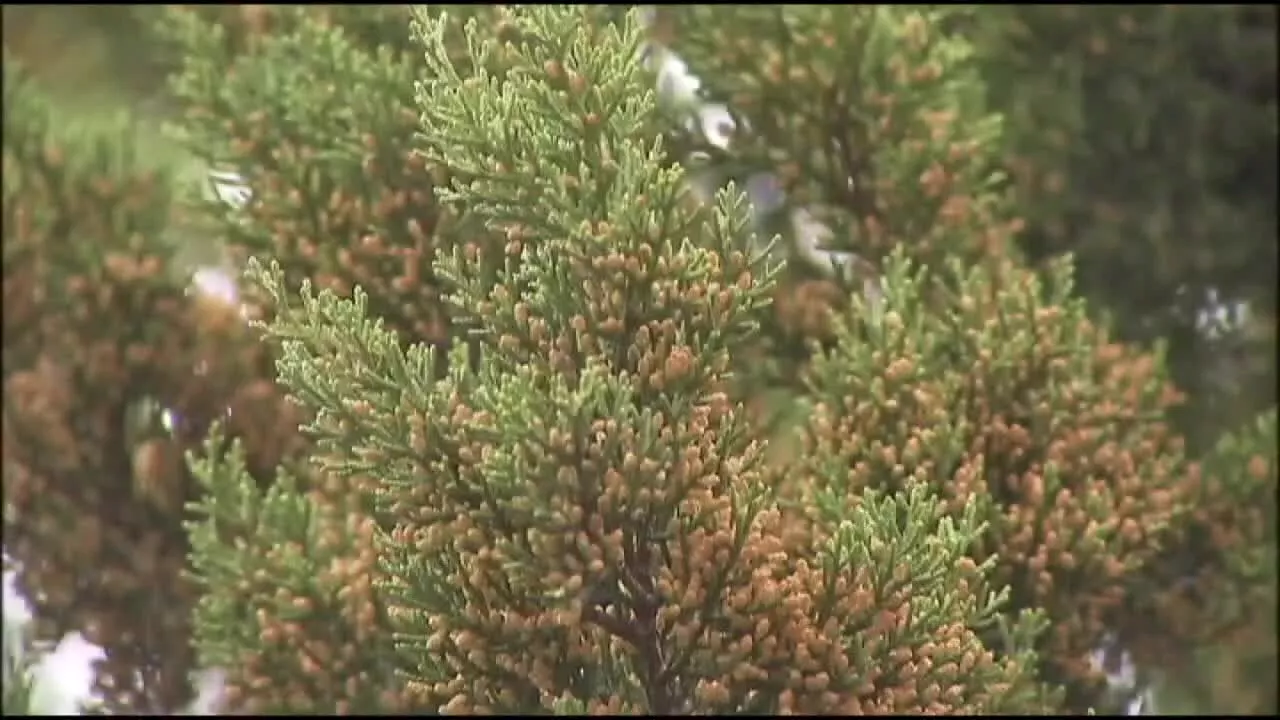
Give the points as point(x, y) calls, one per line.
point(243, 28)
point(17, 674)
point(86, 56)
point(895, 149)
point(582, 521)
point(1243, 468)
point(286, 598)
point(320, 127)
point(523, 466)
point(44, 183)
point(1143, 141)
point(1224, 565)
point(1007, 403)
point(845, 105)
point(872, 116)
point(317, 117)
point(1168, 113)
point(874, 120)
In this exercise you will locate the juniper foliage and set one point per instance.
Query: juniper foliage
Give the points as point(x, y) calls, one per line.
point(873, 121)
point(582, 522)
point(537, 376)
point(1005, 403)
point(898, 149)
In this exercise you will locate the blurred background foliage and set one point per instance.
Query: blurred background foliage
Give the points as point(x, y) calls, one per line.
point(1143, 140)
point(93, 59)
point(1140, 138)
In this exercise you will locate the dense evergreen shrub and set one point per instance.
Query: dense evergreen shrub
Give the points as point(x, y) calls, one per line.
point(482, 431)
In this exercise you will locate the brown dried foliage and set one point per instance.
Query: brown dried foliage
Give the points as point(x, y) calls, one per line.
point(803, 309)
point(94, 326)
